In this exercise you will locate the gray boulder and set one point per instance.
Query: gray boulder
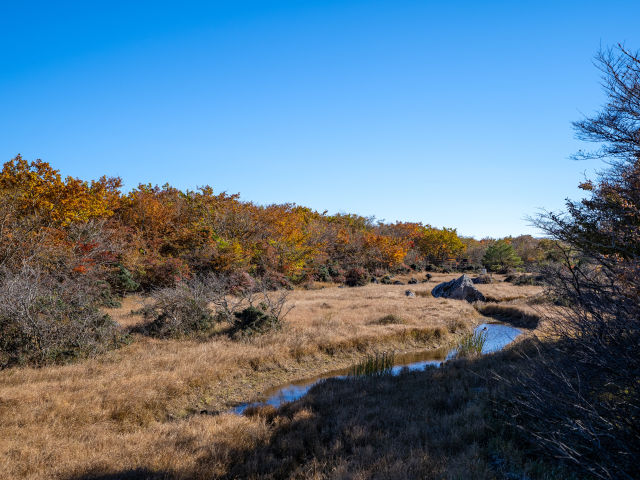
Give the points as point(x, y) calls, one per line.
point(413, 281)
point(409, 293)
point(459, 289)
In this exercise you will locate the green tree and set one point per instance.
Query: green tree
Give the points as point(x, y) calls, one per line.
point(501, 253)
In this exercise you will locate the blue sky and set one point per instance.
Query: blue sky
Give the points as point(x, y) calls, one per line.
point(453, 113)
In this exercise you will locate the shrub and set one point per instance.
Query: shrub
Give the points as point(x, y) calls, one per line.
point(468, 267)
point(357, 277)
point(123, 281)
point(425, 294)
point(107, 299)
point(178, 311)
point(402, 269)
point(256, 321)
point(45, 320)
point(322, 274)
point(162, 271)
point(535, 280)
point(184, 310)
point(485, 279)
point(241, 282)
point(335, 271)
point(272, 280)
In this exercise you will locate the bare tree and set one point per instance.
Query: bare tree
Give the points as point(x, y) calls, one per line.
point(581, 401)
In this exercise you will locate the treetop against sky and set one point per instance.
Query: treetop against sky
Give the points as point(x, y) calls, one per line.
point(449, 113)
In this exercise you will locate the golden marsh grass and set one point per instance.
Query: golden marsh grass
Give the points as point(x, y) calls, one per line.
point(137, 407)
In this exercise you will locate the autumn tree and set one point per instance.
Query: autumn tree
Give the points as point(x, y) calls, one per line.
point(38, 208)
point(437, 245)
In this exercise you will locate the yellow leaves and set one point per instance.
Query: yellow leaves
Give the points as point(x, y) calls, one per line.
point(588, 186)
point(391, 251)
point(439, 244)
point(38, 189)
point(203, 230)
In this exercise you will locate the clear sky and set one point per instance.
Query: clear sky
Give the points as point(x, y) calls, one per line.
point(453, 113)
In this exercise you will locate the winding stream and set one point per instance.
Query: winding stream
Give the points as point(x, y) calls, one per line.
point(498, 336)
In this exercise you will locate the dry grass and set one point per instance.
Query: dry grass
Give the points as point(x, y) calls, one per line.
point(506, 292)
point(516, 313)
point(133, 408)
point(432, 424)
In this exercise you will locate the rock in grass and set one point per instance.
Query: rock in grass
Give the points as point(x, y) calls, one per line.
point(459, 289)
point(413, 281)
point(398, 282)
point(483, 279)
point(409, 293)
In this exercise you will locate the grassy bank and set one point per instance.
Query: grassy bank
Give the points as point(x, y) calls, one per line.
point(134, 408)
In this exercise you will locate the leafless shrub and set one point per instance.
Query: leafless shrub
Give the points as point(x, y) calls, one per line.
point(194, 306)
point(179, 310)
point(581, 400)
point(45, 319)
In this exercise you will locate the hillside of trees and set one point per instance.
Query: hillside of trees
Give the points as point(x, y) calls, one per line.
point(152, 236)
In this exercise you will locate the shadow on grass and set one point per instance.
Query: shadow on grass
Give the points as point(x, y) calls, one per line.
point(438, 423)
point(135, 474)
point(510, 314)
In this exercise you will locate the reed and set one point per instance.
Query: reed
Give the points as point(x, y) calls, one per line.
point(374, 365)
point(470, 344)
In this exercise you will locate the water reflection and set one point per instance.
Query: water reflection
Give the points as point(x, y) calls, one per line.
point(498, 336)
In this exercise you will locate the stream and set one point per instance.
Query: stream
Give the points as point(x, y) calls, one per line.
point(499, 335)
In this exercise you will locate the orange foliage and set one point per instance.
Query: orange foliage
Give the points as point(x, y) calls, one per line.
point(166, 233)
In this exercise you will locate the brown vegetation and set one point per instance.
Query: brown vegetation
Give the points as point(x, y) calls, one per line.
point(134, 407)
point(434, 424)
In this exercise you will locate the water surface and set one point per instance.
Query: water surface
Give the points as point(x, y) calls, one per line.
point(498, 336)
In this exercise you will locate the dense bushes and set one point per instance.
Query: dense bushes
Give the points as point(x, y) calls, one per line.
point(193, 307)
point(357, 277)
point(533, 280)
point(256, 321)
point(45, 319)
point(179, 310)
point(152, 237)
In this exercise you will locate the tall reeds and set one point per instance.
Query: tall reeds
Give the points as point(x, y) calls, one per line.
point(373, 365)
point(470, 344)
